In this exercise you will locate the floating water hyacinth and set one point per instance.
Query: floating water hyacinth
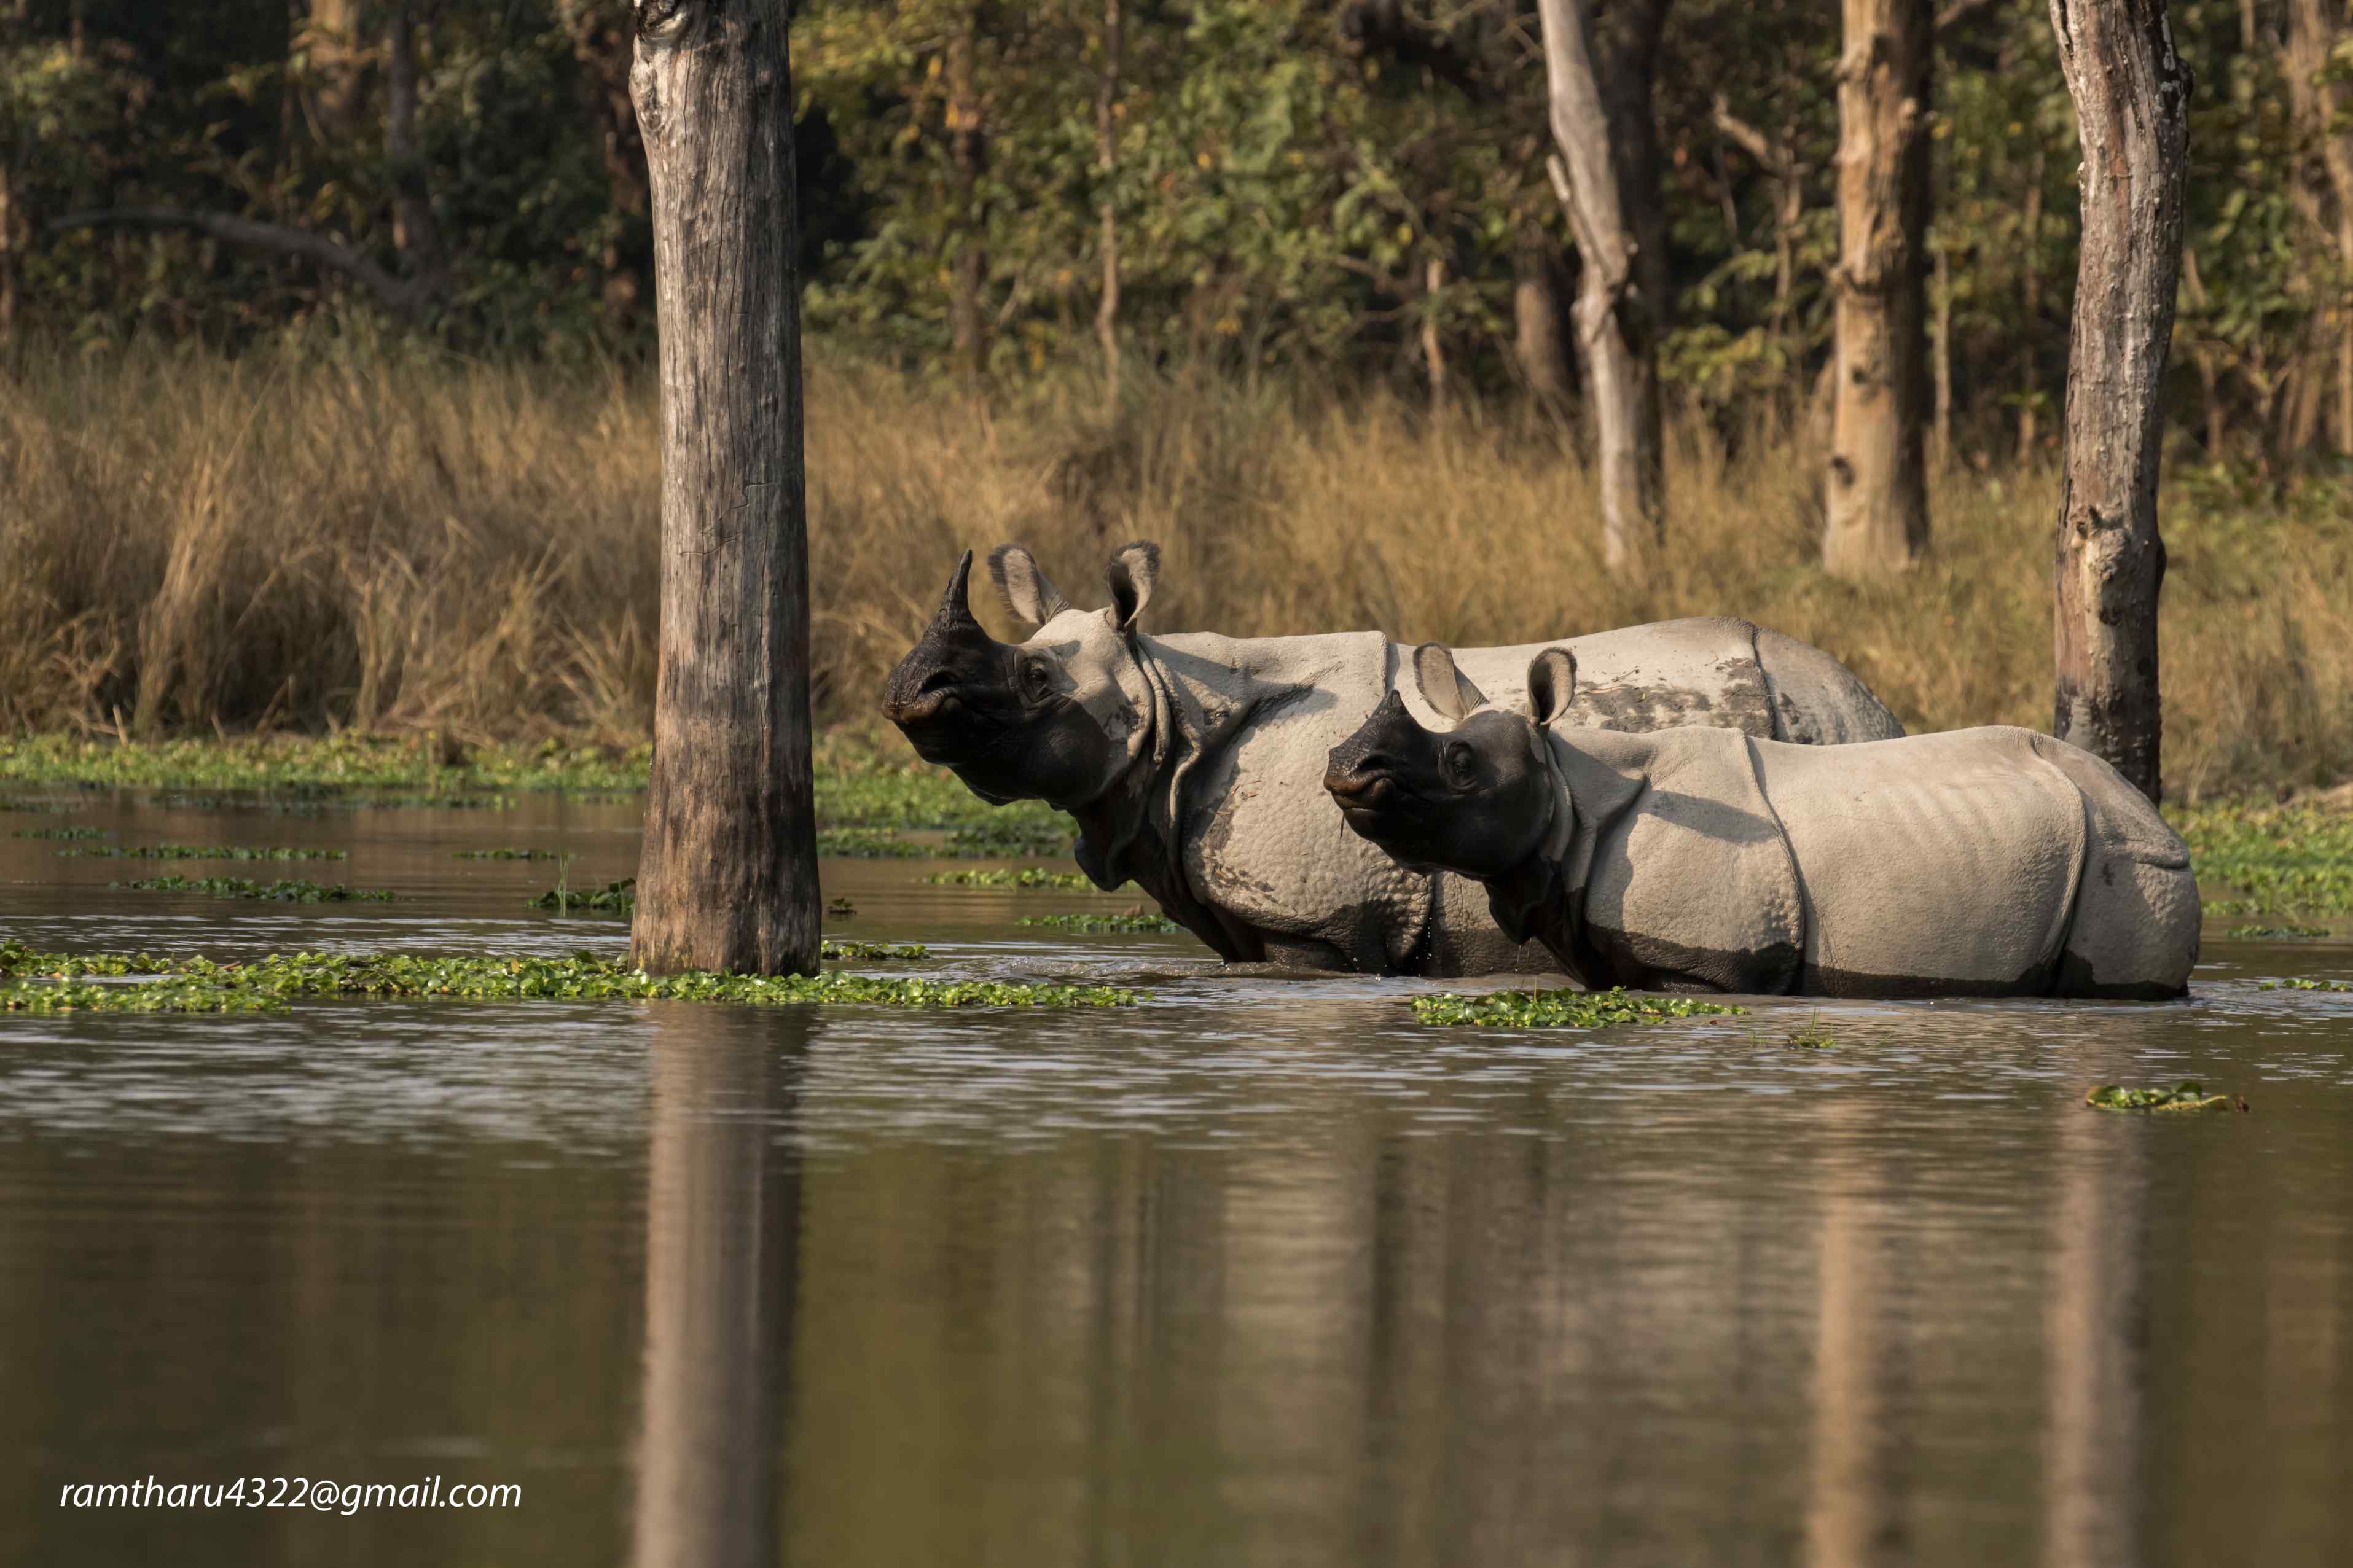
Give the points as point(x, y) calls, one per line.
point(1013, 877)
point(2306, 985)
point(1133, 922)
point(204, 852)
point(285, 890)
point(1561, 1009)
point(61, 833)
point(2261, 934)
point(2189, 1095)
point(39, 982)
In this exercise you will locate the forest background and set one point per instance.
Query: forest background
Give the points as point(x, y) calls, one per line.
point(325, 333)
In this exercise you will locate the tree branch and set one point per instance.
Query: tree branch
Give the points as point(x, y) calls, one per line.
point(401, 297)
point(1953, 12)
point(1776, 159)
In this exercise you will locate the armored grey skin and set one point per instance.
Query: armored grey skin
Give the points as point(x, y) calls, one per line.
point(1992, 862)
point(1194, 763)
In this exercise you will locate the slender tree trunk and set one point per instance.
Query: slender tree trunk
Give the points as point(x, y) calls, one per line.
point(2132, 114)
point(1606, 170)
point(1877, 495)
point(2030, 309)
point(337, 68)
point(2315, 30)
point(414, 231)
point(967, 325)
point(1107, 164)
point(1941, 351)
point(1433, 348)
point(727, 876)
point(1539, 318)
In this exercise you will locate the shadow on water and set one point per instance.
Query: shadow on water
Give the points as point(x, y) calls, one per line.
point(1263, 1272)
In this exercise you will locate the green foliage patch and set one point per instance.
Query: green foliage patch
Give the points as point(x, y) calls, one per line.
point(46, 982)
point(504, 854)
point(1133, 921)
point(2306, 985)
point(285, 890)
point(613, 898)
point(1013, 877)
point(2189, 1095)
point(346, 761)
point(2263, 934)
point(60, 833)
point(1561, 1009)
point(2286, 859)
point(838, 949)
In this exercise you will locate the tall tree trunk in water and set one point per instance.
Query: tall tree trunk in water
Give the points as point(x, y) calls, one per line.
point(2131, 115)
point(2313, 32)
point(1606, 170)
point(967, 326)
point(1877, 496)
point(1539, 318)
point(727, 874)
point(414, 231)
point(1107, 162)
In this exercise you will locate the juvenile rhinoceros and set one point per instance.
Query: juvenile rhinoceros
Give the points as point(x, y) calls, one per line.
point(1987, 862)
point(1194, 763)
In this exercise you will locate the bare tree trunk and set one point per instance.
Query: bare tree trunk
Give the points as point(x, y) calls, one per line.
point(1433, 348)
point(337, 68)
point(727, 876)
point(967, 326)
point(2030, 310)
point(1107, 162)
point(413, 229)
point(1940, 348)
point(1877, 496)
point(2314, 33)
point(2131, 115)
point(1606, 170)
point(1540, 322)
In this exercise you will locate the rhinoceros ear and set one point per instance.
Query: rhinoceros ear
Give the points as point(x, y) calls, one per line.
point(1024, 585)
point(1443, 687)
point(1552, 685)
point(1130, 574)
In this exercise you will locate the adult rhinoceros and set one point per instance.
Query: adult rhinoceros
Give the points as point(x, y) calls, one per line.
point(1194, 763)
point(1992, 862)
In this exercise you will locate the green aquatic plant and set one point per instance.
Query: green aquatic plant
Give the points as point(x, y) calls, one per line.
point(1560, 1008)
point(348, 761)
point(46, 982)
point(206, 852)
point(1811, 1035)
point(506, 855)
point(2259, 934)
point(1134, 921)
point(613, 898)
point(836, 949)
point(2189, 1095)
point(1013, 877)
point(1011, 835)
point(285, 890)
point(2287, 860)
point(869, 844)
point(61, 833)
point(2306, 985)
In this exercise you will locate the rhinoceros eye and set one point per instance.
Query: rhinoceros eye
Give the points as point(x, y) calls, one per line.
point(1037, 679)
point(1461, 765)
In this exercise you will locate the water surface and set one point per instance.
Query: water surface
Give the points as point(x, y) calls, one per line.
point(1262, 1272)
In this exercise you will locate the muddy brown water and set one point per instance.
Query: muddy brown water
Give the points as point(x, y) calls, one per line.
point(1262, 1272)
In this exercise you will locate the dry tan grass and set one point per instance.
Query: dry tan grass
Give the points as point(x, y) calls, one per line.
point(325, 538)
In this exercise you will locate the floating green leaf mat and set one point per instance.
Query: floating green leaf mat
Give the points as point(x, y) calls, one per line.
point(869, 844)
point(1013, 877)
point(506, 855)
point(60, 833)
point(1561, 1009)
point(2259, 934)
point(206, 852)
point(2185, 1096)
point(44, 983)
point(2289, 860)
point(285, 890)
point(2306, 985)
point(613, 898)
point(869, 951)
point(1157, 924)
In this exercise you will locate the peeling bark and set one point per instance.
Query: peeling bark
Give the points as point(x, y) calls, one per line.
point(1877, 499)
point(1606, 172)
point(727, 877)
point(2132, 113)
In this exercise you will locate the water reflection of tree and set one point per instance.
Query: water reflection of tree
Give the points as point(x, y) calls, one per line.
point(722, 1222)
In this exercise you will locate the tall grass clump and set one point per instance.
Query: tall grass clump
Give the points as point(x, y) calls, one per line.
point(314, 537)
